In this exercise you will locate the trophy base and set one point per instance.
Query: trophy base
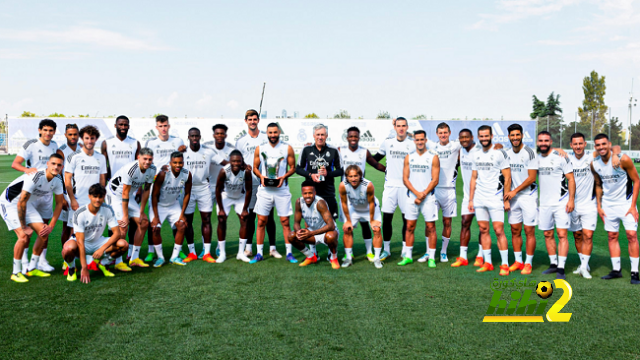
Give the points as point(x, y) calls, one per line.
point(271, 182)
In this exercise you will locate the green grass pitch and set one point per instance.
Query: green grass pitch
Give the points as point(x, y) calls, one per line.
point(274, 309)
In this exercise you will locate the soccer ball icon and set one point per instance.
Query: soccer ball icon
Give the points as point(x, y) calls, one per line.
point(544, 289)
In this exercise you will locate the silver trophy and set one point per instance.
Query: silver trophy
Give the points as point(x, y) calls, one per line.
point(273, 166)
point(321, 163)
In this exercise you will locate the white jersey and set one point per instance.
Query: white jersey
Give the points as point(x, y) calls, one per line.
point(395, 151)
point(357, 197)
point(521, 162)
point(35, 184)
point(92, 226)
point(617, 187)
point(198, 163)
point(172, 186)
point(247, 145)
point(448, 155)
point(311, 215)
point(130, 174)
point(357, 158)
point(66, 151)
point(278, 154)
point(36, 154)
point(585, 188)
point(466, 164)
point(420, 167)
point(554, 189)
point(86, 171)
point(162, 150)
point(120, 153)
point(219, 155)
point(490, 181)
point(234, 185)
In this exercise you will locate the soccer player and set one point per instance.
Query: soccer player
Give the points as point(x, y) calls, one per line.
point(247, 145)
point(421, 175)
point(233, 188)
point(490, 175)
point(557, 195)
point(89, 222)
point(354, 154)
point(321, 227)
point(163, 146)
point(165, 205)
point(66, 149)
point(198, 160)
point(22, 210)
point(279, 154)
point(523, 198)
point(617, 194)
point(127, 181)
point(34, 154)
point(359, 206)
point(396, 149)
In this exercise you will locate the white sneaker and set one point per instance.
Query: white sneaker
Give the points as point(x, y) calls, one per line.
point(43, 265)
point(443, 257)
point(275, 254)
point(585, 273)
point(424, 258)
point(243, 257)
point(577, 271)
point(248, 253)
point(221, 259)
point(377, 263)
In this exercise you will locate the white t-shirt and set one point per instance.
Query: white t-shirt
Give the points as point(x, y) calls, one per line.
point(131, 174)
point(35, 184)
point(420, 167)
point(247, 145)
point(521, 162)
point(234, 185)
point(36, 154)
point(311, 215)
point(92, 226)
point(86, 171)
point(172, 186)
point(357, 197)
point(219, 155)
point(273, 154)
point(162, 150)
point(448, 155)
point(554, 189)
point(395, 151)
point(120, 153)
point(490, 182)
point(585, 188)
point(348, 157)
point(198, 163)
point(466, 164)
point(617, 187)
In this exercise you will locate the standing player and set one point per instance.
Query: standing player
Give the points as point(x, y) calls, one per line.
point(272, 159)
point(89, 222)
point(421, 175)
point(490, 175)
point(359, 206)
point(66, 149)
point(165, 205)
point(198, 160)
point(247, 144)
point(354, 154)
point(617, 195)
point(233, 188)
point(124, 184)
point(557, 194)
point(396, 149)
point(21, 204)
point(523, 198)
point(321, 227)
point(35, 153)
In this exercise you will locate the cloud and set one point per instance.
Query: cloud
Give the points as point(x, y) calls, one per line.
point(167, 102)
point(513, 10)
point(558, 42)
point(233, 104)
point(204, 100)
point(15, 108)
point(629, 52)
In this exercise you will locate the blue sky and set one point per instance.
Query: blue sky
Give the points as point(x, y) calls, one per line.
point(209, 59)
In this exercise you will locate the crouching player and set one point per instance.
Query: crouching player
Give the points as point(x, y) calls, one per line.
point(320, 226)
point(89, 222)
point(359, 205)
point(233, 181)
point(167, 187)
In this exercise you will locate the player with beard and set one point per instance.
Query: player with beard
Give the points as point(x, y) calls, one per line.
point(66, 149)
point(280, 153)
point(557, 195)
point(247, 144)
point(354, 154)
point(34, 154)
point(395, 149)
point(490, 176)
point(321, 227)
point(617, 196)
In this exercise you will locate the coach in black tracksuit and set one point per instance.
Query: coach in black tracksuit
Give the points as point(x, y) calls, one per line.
point(309, 162)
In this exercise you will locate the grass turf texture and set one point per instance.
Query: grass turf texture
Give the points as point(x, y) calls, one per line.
point(274, 309)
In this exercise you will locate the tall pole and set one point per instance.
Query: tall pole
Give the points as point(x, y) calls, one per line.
point(575, 123)
point(609, 123)
point(261, 98)
point(631, 105)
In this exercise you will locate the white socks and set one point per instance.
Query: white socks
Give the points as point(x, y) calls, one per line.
point(408, 252)
point(260, 249)
point(463, 252)
point(136, 252)
point(349, 252)
point(518, 256)
point(387, 246)
point(432, 253)
point(307, 253)
point(289, 248)
point(553, 259)
point(504, 256)
point(158, 251)
point(241, 245)
point(529, 259)
point(207, 248)
point(272, 247)
point(404, 247)
point(487, 256)
point(17, 266)
point(561, 261)
point(313, 249)
point(367, 244)
point(43, 255)
point(192, 248)
point(634, 264)
point(445, 244)
point(34, 262)
point(248, 247)
point(150, 249)
point(130, 251)
point(376, 253)
point(615, 263)
point(176, 251)
point(222, 247)
point(585, 261)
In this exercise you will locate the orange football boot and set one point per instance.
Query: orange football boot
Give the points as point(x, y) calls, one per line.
point(479, 261)
point(485, 267)
point(526, 270)
point(208, 258)
point(460, 262)
point(335, 265)
point(516, 266)
point(92, 266)
point(191, 257)
point(504, 270)
point(311, 260)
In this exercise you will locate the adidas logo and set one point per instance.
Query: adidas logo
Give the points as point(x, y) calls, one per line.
point(497, 129)
point(367, 137)
point(149, 135)
point(280, 127)
point(40, 151)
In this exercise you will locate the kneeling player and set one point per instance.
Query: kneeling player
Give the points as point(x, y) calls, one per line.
point(320, 226)
point(233, 181)
point(359, 205)
point(165, 206)
point(89, 222)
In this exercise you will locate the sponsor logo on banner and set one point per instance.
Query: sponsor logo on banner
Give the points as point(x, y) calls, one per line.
point(283, 136)
point(302, 135)
point(366, 137)
point(149, 135)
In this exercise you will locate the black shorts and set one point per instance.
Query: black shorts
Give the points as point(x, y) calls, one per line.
point(333, 205)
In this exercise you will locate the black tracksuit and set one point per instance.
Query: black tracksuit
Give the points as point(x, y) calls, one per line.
point(307, 166)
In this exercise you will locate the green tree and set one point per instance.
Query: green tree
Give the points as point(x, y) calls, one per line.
point(55, 114)
point(383, 115)
point(571, 128)
point(593, 110)
point(342, 114)
point(27, 114)
point(420, 117)
point(635, 136)
point(539, 108)
point(549, 116)
point(615, 133)
point(311, 116)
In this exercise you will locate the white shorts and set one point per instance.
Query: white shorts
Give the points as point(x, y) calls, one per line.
point(489, 210)
point(584, 218)
point(446, 200)
point(44, 206)
point(268, 199)
point(428, 208)
point(524, 209)
point(170, 213)
point(361, 216)
point(64, 214)
point(93, 246)
point(615, 214)
point(553, 215)
point(202, 197)
point(10, 214)
point(116, 204)
point(227, 203)
point(465, 207)
point(393, 197)
point(320, 238)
